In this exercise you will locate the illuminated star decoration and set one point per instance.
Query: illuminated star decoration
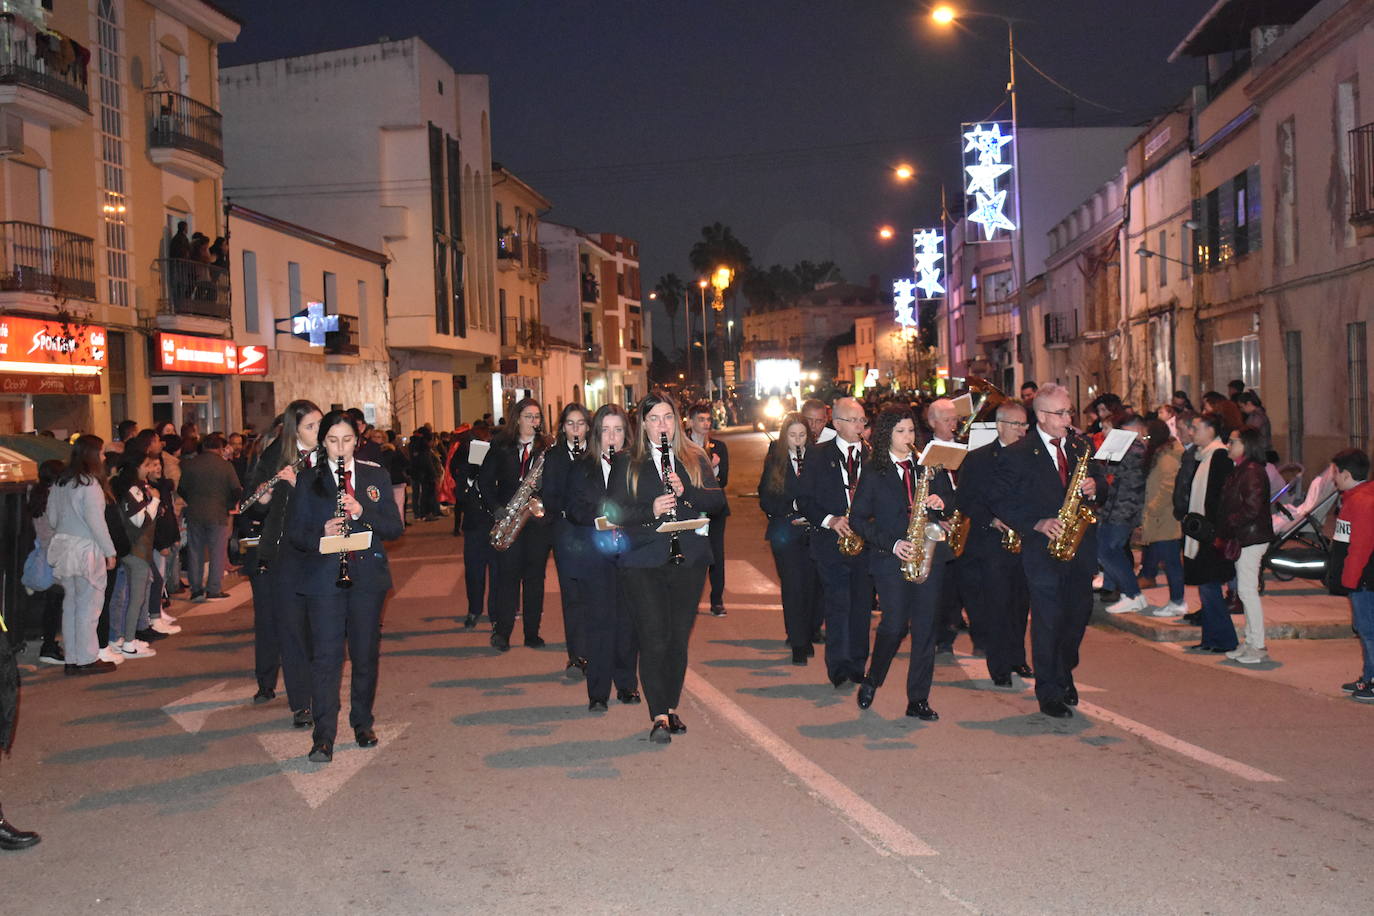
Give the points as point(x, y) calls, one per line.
point(904, 300)
point(926, 244)
point(989, 214)
point(987, 143)
point(984, 177)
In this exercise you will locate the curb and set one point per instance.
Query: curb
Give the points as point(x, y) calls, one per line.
point(1158, 630)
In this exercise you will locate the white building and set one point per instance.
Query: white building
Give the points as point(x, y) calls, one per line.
point(388, 147)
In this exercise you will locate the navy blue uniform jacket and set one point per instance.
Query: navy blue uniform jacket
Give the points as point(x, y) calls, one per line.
point(647, 548)
point(880, 513)
point(1027, 488)
point(780, 505)
point(315, 501)
point(820, 491)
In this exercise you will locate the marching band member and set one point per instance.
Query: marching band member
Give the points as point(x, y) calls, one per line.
point(520, 569)
point(1028, 494)
point(990, 576)
point(594, 576)
point(574, 423)
point(831, 473)
point(789, 541)
point(663, 594)
point(342, 494)
point(881, 514)
point(699, 422)
point(943, 418)
point(479, 557)
point(279, 619)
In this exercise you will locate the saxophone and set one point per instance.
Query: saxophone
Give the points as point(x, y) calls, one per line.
point(958, 532)
point(851, 544)
point(921, 531)
point(1074, 517)
point(521, 506)
point(1011, 541)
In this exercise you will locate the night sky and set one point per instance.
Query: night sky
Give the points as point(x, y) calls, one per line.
point(782, 119)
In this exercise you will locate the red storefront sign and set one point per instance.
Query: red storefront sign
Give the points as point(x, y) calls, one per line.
point(252, 360)
point(39, 356)
point(185, 353)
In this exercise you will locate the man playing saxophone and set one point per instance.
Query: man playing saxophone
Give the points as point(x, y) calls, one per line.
point(1030, 493)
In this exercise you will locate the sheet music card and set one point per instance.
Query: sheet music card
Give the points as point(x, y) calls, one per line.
point(948, 455)
point(1115, 446)
point(340, 543)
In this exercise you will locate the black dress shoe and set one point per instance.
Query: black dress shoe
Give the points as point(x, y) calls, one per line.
point(1071, 695)
point(263, 695)
point(818, 637)
point(500, 642)
point(839, 680)
point(321, 751)
point(366, 737)
point(469, 621)
point(598, 704)
point(866, 692)
point(660, 733)
point(921, 710)
point(799, 657)
point(1023, 670)
point(717, 610)
point(627, 696)
point(302, 718)
point(148, 634)
point(675, 724)
point(95, 667)
point(1055, 709)
point(1193, 619)
point(1203, 647)
point(534, 642)
point(576, 670)
point(1003, 680)
point(11, 837)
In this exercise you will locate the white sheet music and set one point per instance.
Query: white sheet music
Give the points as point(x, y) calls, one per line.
point(1115, 446)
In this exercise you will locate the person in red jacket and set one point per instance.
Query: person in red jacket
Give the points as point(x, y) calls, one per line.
point(1355, 532)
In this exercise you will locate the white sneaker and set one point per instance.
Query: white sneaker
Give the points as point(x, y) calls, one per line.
point(162, 625)
point(1172, 609)
point(167, 617)
point(135, 648)
point(111, 653)
point(1252, 656)
point(1124, 605)
point(1237, 652)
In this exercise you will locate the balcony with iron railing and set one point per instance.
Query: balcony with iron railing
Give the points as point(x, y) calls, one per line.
point(528, 339)
point(1362, 180)
point(194, 296)
point(1059, 329)
point(591, 288)
point(509, 250)
point(185, 137)
point(43, 76)
point(536, 259)
point(46, 261)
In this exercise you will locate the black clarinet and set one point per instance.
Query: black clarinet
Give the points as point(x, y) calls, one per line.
point(799, 460)
point(343, 581)
point(674, 543)
point(576, 447)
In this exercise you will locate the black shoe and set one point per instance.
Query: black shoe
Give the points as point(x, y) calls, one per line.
point(366, 737)
point(576, 670)
point(866, 692)
point(839, 680)
point(1193, 618)
point(818, 637)
point(811, 650)
point(1001, 680)
point(12, 838)
point(263, 695)
point(1071, 695)
point(216, 596)
point(302, 718)
point(921, 710)
point(627, 696)
point(597, 705)
point(799, 657)
point(717, 610)
point(95, 667)
point(321, 751)
point(534, 642)
point(660, 733)
point(675, 724)
point(51, 654)
point(500, 642)
point(149, 635)
point(1358, 684)
point(945, 648)
point(1203, 647)
point(469, 621)
point(1023, 670)
point(1055, 709)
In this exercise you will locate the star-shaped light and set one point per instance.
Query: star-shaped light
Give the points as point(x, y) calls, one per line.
point(929, 284)
point(989, 214)
point(984, 177)
point(925, 240)
point(904, 300)
point(987, 143)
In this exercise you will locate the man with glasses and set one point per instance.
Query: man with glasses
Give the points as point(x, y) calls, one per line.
point(813, 415)
point(830, 473)
point(1027, 493)
point(991, 579)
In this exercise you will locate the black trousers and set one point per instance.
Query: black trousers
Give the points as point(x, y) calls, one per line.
point(351, 618)
point(280, 631)
point(847, 587)
point(994, 588)
point(949, 611)
point(52, 613)
point(1061, 599)
point(663, 602)
point(519, 581)
point(608, 632)
point(716, 535)
point(573, 599)
point(801, 604)
point(907, 607)
point(479, 563)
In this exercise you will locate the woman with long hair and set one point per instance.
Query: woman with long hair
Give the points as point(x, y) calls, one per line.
point(1245, 530)
point(140, 503)
point(280, 642)
point(81, 552)
point(49, 651)
point(663, 594)
point(570, 447)
point(1159, 528)
point(591, 556)
point(881, 514)
point(1204, 564)
point(342, 494)
point(521, 567)
point(789, 536)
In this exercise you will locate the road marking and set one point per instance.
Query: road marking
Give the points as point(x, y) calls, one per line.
point(191, 712)
point(316, 782)
point(880, 831)
point(437, 580)
point(744, 578)
point(237, 596)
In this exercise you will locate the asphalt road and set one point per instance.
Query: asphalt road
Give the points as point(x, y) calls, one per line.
point(1188, 787)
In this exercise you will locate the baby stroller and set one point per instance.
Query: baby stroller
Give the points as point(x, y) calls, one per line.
point(1301, 548)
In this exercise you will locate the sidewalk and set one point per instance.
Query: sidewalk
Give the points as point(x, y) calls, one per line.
point(1300, 609)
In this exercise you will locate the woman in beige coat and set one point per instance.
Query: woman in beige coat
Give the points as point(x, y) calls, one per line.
point(1159, 530)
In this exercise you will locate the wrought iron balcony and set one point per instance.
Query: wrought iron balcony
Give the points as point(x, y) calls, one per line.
point(1362, 178)
point(1059, 330)
point(41, 259)
point(193, 288)
point(51, 64)
point(591, 289)
point(508, 246)
point(536, 258)
point(176, 121)
point(344, 341)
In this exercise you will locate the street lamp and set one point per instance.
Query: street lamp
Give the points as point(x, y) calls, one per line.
point(904, 172)
point(886, 233)
point(721, 281)
point(705, 338)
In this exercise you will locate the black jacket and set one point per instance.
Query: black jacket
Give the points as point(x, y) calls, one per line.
point(272, 516)
point(647, 548)
point(1209, 565)
point(1027, 488)
point(780, 505)
point(977, 475)
point(584, 500)
point(499, 476)
point(1183, 483)
point(881, 515)
point(722, 475)
point(315, 502)
point(821, 492)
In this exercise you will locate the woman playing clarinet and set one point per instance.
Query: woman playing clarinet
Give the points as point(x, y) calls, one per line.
point(789, 536)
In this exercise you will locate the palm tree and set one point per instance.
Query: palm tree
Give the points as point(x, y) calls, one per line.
point(719, 246)
point(670, 291)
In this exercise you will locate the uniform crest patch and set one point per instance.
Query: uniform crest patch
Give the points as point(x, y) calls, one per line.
point(374, 494)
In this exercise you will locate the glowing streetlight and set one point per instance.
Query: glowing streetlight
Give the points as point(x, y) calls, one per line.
point(886, 233)
point(944, 14)
point(904, 172)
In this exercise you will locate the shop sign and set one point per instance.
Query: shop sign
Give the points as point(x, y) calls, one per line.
point(33, 383)
point(185, 353)
point(253, 360)
point(38, 345)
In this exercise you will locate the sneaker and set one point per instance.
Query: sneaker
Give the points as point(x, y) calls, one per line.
point(135, 648)
point(197, 597)
point(1237, 652)
point(1365, 694)
point(166, 618)
point(51, 654)
point(1358, 684)
point(717, 610)
point(112, 654)
point(1125, 605)
point(1252, 656)
point(161, 625)
point(1172, 609)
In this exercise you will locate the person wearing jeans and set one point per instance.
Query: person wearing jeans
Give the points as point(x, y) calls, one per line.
point(1120, 516)
point(1204, 564)
point(210, 487)
point(1245, 531)
point(1159, 529)
point(1353, 557)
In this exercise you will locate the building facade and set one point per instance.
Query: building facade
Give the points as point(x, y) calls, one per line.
point(522, 265)
point(801, 330)
point(622, 320)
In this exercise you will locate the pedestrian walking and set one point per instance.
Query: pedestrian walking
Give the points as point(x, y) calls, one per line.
point(211, 488)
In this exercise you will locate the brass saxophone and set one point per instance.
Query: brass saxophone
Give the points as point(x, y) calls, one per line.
point(851, 544)
point(921, 531)
point(1074, 517)
point(958, 532)
point(1011, 541)
point(521, 506)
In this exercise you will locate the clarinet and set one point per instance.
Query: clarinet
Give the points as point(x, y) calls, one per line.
point(576, 447)
point(343, 581)
point(674, 544)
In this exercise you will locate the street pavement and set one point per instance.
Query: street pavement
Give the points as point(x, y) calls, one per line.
point(1184, 785)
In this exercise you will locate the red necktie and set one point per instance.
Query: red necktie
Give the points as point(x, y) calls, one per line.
point(908, 476)
point(1061, 460)
point(524, 459)
point(348, 482)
